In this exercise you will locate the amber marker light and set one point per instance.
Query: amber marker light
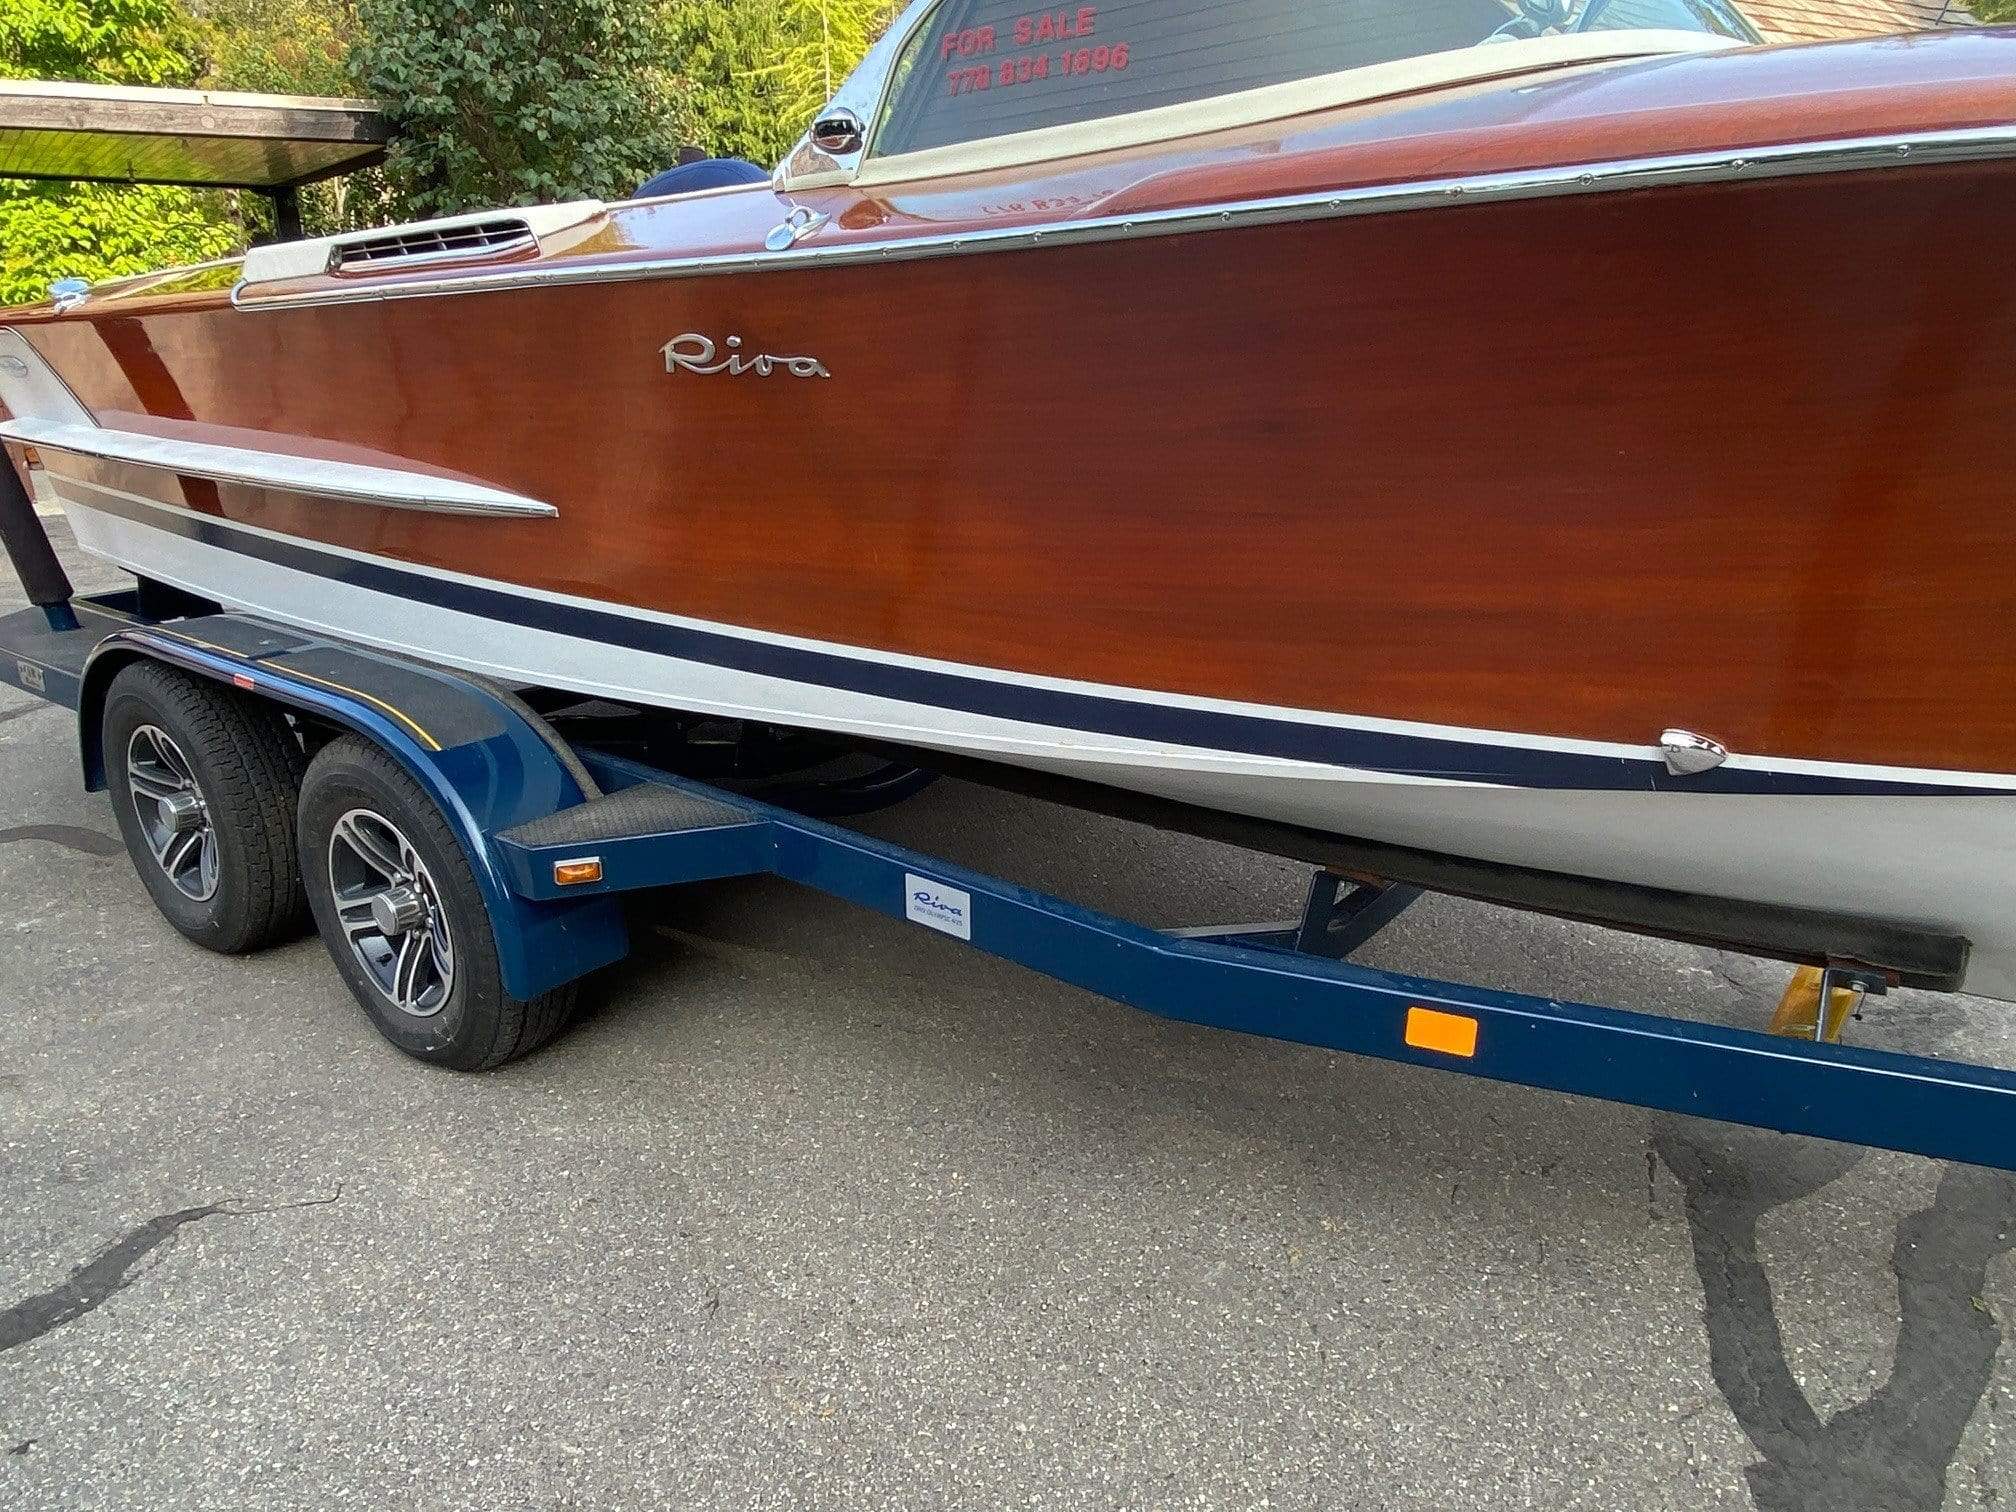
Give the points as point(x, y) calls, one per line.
point(1444, 1033)
point(577, 872)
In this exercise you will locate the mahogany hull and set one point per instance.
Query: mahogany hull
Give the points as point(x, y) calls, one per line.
point(1734, 459)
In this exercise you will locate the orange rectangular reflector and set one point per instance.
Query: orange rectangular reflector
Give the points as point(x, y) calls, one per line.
point(574, 873)
point(31, 456)
point(1447, 1033)
point(242, 680)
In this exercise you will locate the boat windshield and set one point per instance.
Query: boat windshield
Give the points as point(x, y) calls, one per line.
point(978, 69)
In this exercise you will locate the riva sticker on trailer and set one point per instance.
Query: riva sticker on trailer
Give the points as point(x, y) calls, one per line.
point(936, 906)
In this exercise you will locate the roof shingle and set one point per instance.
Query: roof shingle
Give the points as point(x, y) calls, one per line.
point(1812, 20)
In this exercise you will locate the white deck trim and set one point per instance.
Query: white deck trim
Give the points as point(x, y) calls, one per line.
point(280, 262)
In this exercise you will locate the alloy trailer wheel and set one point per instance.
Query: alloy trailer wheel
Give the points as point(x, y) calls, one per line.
point(391, 913)
point(173, 813)
point(203, 785)
point(403, 919)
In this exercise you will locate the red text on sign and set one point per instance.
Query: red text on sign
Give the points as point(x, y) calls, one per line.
point(966, 80)
point(1056, 26)
point(1026, 70)
point(967, 43)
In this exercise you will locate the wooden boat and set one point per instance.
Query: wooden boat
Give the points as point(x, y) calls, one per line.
point(1581, 455)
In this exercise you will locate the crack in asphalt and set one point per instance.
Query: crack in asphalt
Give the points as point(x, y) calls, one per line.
point(24, 710)
point(1892, 1452)
point(74, 837)
point(110, 1271)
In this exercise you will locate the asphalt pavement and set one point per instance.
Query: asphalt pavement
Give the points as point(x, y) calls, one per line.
point(815, 1209)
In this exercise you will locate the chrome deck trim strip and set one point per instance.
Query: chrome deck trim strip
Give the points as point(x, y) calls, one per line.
point(1782, 161)
point(353, 482)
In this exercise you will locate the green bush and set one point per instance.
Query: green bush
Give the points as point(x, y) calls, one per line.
point(296, 47)
point(97, 41)
point(756, 71)
point(100, 231)
point(509, 102)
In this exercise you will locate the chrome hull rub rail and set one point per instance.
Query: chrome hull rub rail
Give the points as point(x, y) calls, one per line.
point(1782, 161)
point(353, 482)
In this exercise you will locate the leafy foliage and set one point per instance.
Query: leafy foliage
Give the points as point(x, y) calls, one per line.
point(756, 71)
point(97, 41)
point(297, 47)
point(51, 231)
point(1993, 11)
point(723, 51)
point(514, 101)
point(824, 39)
point(100, 231)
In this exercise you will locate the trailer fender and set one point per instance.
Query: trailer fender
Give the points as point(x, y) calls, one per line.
point(487, 768)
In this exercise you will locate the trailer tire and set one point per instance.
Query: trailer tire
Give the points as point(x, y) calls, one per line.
point(203, 786)
point(400, 912)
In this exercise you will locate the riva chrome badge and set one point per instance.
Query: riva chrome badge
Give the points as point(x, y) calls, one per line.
point(694, 353)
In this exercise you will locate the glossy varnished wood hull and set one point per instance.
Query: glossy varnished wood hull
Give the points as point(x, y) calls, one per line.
point(1732, 458)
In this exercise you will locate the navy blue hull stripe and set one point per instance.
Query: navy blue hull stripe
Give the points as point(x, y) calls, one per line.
point(1215, 730)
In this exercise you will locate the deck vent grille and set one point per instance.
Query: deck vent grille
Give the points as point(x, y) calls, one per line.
point(469, 239)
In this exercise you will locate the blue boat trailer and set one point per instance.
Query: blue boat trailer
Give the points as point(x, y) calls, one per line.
point(557, 832)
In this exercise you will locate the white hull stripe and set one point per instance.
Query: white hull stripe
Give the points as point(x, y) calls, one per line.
point(1398, 753)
